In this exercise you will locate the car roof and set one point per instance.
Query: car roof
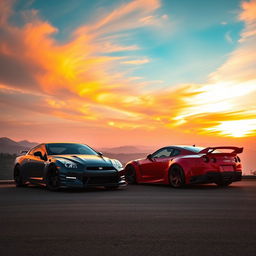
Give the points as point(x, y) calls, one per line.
point(193, 148)
point(62, 143)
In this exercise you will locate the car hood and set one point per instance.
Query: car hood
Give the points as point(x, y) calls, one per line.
point(88, 160)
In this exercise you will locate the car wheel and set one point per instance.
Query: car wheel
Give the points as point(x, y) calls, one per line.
point(176, 177)
point(18, 178)
point(130, 174)
point(52, 179)
point(223, 183)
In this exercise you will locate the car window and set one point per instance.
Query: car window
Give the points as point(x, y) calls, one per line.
point(175, 152)
point(193, 149)
point(69, 148)
point(42, 150)
point(33, 150)
point(163, 153)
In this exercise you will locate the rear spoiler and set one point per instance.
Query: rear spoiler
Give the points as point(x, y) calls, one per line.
point(210, 150)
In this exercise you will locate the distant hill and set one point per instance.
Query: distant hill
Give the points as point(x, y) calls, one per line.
point(126, 153)
point(13, 147)
point(124, 158)
point(27, 143)
point(126, 150)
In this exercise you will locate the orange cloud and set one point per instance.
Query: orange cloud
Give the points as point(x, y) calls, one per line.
point(249, 11)
point(76, 82)
point(230, 89)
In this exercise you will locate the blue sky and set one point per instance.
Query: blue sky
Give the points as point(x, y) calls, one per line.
point(198, 38)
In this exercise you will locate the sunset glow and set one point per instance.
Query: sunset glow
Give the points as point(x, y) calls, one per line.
point(135, 68)
point(237, 128)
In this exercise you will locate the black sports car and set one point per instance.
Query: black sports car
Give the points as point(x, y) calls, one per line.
point(62, 165)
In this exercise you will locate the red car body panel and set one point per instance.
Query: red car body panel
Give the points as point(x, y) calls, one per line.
point(206, 161)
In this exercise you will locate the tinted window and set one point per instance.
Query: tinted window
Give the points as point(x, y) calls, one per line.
point(175, 152)
point(33, 150)
point(194, 149)
point(69, 148)
point(163, 153)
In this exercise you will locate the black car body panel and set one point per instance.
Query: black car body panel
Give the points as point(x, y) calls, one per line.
point(74, 170)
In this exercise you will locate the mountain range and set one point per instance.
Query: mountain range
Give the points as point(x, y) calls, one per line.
point(10, 146)
point(14, 147)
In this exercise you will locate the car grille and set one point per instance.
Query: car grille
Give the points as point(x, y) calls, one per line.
point(91, 168)
point(100, 180)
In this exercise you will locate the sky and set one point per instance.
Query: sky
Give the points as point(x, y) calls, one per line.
point(129, 72)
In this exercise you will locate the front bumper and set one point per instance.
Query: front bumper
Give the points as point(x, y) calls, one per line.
point(215, 177)
point(110, 178)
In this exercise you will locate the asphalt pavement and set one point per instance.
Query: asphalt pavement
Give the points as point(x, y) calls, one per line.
point(137, 220)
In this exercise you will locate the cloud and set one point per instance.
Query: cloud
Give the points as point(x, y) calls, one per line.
point(75, 77)
point(136, 62)
point(228, 37)
point(125, 17)
point(230, 88)
point(80, 80)
point(44, 62)
point(249, 11)
point(6, 11)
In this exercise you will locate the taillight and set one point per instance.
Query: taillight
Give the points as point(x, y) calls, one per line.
point(207, 159)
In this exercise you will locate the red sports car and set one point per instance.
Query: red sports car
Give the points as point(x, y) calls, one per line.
point(181, 165)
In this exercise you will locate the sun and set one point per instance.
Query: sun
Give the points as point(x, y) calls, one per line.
point(235, 128)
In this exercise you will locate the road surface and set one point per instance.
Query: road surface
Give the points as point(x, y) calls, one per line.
point(138, 220)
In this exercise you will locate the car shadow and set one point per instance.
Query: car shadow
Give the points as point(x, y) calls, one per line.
point(189, 187)
point(71, 190)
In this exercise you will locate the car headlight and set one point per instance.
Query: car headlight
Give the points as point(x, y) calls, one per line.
point(69, 164)
point(117, 164)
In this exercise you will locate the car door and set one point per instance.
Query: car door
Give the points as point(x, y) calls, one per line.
point(25, 166)
point(153, 169)
point(29, 162)
point(37, 164)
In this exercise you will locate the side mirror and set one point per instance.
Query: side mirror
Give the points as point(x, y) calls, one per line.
point(39, 154)
point(23, 152)
point(149, 157)
point(100, 153)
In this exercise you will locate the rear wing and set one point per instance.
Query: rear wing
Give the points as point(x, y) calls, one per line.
point(210, 150)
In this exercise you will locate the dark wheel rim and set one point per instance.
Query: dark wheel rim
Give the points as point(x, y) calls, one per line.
point(130, 175)
point(53, 179)
point(176, 178)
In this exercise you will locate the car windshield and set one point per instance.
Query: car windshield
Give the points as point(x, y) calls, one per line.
point(69, 148)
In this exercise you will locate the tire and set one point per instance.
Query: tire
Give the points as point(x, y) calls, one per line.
point(18, 178)
point(130, 174)
point(223, 183)
point(176, 177)
point(52, 179)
